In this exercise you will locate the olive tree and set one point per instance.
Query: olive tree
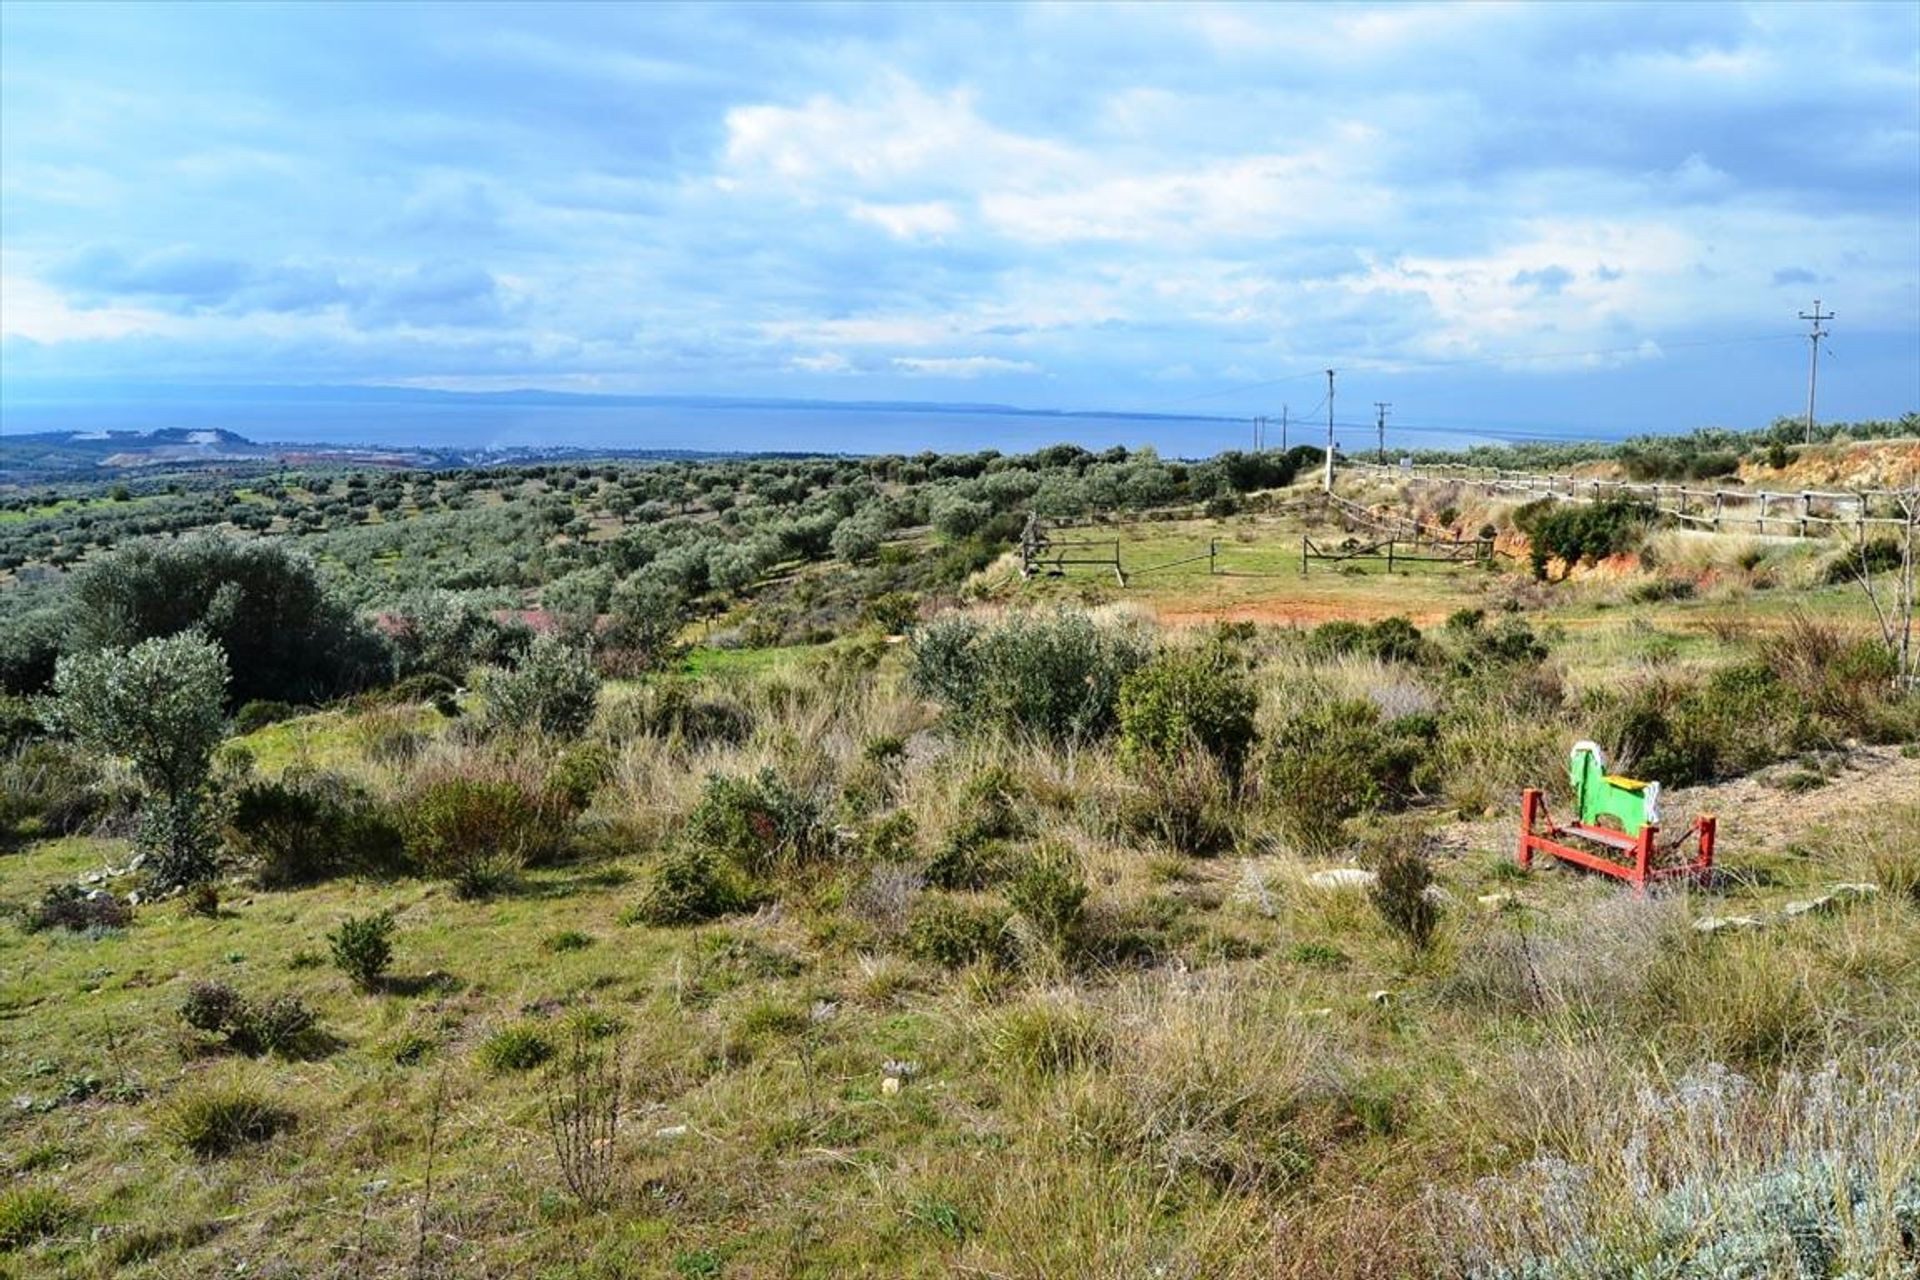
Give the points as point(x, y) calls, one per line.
point(158, 704)
point(553, 689)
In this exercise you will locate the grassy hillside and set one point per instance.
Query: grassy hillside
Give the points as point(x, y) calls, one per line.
point(999, 950)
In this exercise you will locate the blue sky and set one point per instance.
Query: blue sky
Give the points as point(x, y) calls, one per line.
point(1559, 215)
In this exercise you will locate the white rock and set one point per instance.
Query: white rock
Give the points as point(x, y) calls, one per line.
point(890, 1086)
point(1343, 878)
point(1380, 997)
point(1496, 901)
point(1808, 905)
point(671, 1131)
point(1716, 924)
point(1436, 895)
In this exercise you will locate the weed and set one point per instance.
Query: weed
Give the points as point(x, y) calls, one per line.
point(520, 1047)
point(28, 1214)
point(566, 940)
point(217, 1120)
point(78, 910)
point(1045, 1036)
point(688, 885)
point(954, 932)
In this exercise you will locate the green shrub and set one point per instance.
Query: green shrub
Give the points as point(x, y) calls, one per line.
point(1656, 590)
point(258, 714)
point(68, 906)
point(579, 774)
point(893, 613)
point(1339, 760)
point(1393, 639)
point(1576, 533)
point(1877, 555)
point(308, 826)
point(760, 822)
point(362, 948)
point(1178, 700)
point(218, 1120)
point(954, 932)
point(478, 833)
point(520, 1047)
point(553, 689)
point(688, 885)
point(974, 852)
point(1050, 892)
point(1741, 719)
point(249, 1028)
point(566, 940)
point(28, 1214)
point(1053, 675)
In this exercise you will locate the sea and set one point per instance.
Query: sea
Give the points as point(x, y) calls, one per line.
point(474, 422)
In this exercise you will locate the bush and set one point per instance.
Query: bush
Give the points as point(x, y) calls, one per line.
point(579, 774)
point(1054, 675)
point(310, 826)
point(521, 1047)
point(553, 689)
point(668, 710)
point(68, 906)
point(249, 1028)
point(954, 932)
point(1049, 891)
point(478, 833)
point(1400, 893)
point(1390, 640)
point(894, 613)
point(760, 822)
point(28, 1214)
point(1339, 760)
point(689, 885)
point(974, 853)
point(1576, 533)
point(259, 713)
point(1879, 554)
point(1179, 700)
point(219, 1120)
point(1679, 734)
point(363, 948)
point(1186, 802)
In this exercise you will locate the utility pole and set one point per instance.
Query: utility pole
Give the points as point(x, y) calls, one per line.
point(1283, 428)
point(1813, 358)
point(1328, 484)
point(1381, 426)
point(1256, 435)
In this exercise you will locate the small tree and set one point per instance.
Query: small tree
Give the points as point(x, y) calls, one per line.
point(159, 705)
point(553, 690)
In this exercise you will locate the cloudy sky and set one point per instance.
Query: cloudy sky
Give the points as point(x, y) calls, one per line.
point(1557, 214)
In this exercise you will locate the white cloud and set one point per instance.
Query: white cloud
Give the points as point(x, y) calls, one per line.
point(928, 219)
point(961, 366)
point(825, 362)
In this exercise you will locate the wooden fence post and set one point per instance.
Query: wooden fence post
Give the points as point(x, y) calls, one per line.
point(1806, 501)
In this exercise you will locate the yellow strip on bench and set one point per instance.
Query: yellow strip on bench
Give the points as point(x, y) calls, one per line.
point(1625, 784)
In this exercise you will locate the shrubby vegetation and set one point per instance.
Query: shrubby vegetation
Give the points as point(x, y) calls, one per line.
point(857, 914)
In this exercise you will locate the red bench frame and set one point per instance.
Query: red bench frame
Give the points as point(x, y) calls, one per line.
point(1640, 872)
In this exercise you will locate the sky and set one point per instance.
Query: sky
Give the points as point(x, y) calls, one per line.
point(1560, 216)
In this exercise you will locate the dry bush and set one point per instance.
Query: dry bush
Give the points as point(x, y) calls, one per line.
point(1054, 1217)
point(1208, 1081)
